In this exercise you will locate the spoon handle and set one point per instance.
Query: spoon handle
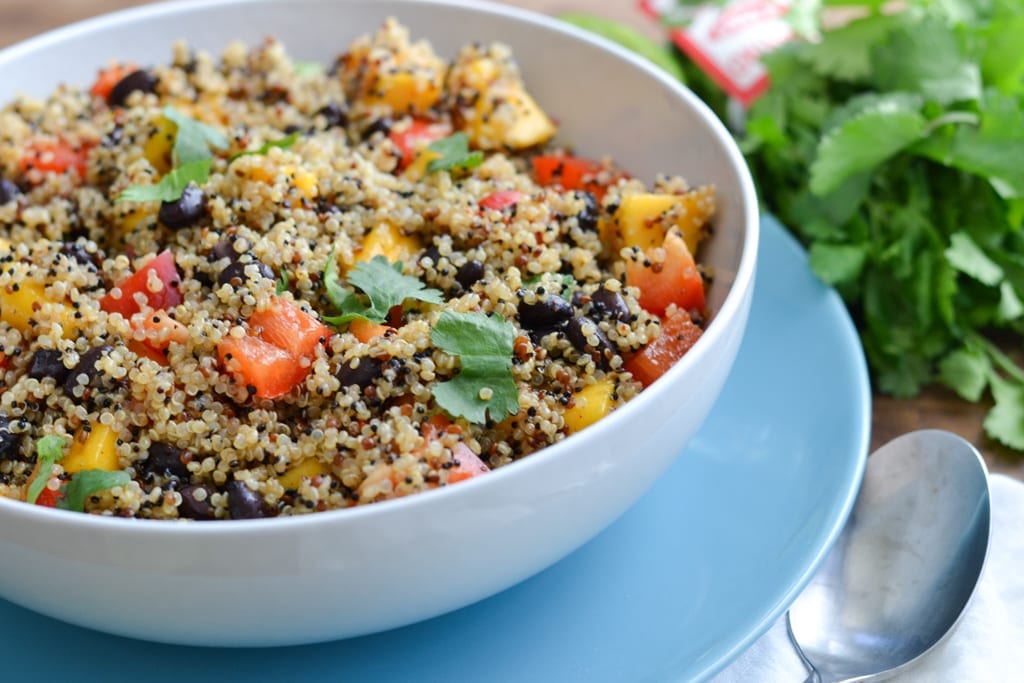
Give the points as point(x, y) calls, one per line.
point(813, 676)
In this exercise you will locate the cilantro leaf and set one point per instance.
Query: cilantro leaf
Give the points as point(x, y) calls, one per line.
point(307, 69)
point(863, 142)
point(87, 482)
point(381, 282)
point(171, 186)
point(1005, 421)
point(927, 57)
point(485, 385)
point(967, 257)
point(455, 154)
point(193, 140)
point(846, 53)
point(282, 283)
point(283, 143)
point(49, 450)
point(966, 371)
point(838, 263)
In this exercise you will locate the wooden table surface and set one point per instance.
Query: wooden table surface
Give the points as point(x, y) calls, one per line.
point(937, 408)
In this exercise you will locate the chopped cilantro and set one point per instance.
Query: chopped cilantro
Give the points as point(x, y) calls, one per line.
point(307, 69)
point(49, 450)
point(193, 140)
point(170, 186)
point(283, 143)
point(282, 284)
point(455, 154)
point(484, 385)
point(87, 482)
point(381, 282)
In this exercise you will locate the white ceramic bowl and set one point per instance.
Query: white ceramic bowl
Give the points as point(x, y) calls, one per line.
point(338, 574)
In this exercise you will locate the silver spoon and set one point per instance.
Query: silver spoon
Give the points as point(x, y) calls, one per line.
point(904, 567)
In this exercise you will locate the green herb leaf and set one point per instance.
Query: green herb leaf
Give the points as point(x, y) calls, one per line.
point(49, 450)
point(193, 140)
point(87, 482)
point(1005, 421)
point(307, 69)
point(966, 371)
point(282, 284)
point(171, 186)
point(863, 142)
point(283, 143)
point(927, 57)
point(381, 282)
point(485, 385)
point(455, 154)
point(967, 257)
point(838, 263)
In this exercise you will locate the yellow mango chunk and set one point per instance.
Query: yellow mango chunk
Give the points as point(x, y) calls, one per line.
point(20, 306)
point(418, 168)
point(643, 220)
point(96, 450)
point(505, 115)
point(388, 241)
point(590, 405)
point(5, 244)
point(303, 180)
point(406, 91)
point(307, 469)
point(159, 146)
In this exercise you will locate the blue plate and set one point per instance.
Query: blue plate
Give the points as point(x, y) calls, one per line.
point(674, 590)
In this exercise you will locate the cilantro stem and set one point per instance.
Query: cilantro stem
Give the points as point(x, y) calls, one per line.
point(950, 117)
point(1005, 363)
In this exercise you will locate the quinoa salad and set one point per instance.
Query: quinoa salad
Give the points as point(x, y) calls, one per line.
point(245, 286)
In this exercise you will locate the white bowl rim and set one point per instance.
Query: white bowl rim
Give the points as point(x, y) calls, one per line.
point(730, 309)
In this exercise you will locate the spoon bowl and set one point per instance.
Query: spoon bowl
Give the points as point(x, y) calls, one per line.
point(906, 565)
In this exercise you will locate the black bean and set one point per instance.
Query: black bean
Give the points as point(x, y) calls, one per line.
point(608, 304)
point(48, 363)
point(470, 273)
point(291, 128)
point(431, 253)
point(334, 115)
point(165, 459)
point(587, 218)
point(236, 276)
point(578, 329)
point(8, 191)
point(244, 503)
point(224, 249)
point(186, 210)
point(140, 80)
point(192, 508)
point(361, 372)
point(87, 366)
point(10, 442)
point(546, 314)
point(78, 252)
point(381, 125)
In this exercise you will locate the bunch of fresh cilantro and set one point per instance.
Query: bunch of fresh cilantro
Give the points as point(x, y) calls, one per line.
point(893, 146)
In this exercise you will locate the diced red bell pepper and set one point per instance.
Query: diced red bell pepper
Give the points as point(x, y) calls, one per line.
point(678, 334)
point(416, 136)
point(168, 297)
point(502, 199)
point(470, 464)
point(574, 173)
point(55, 156)
point(270, 370)
point(108, 78)
point(675, 280)
point(49, 497)
point(288, 327)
